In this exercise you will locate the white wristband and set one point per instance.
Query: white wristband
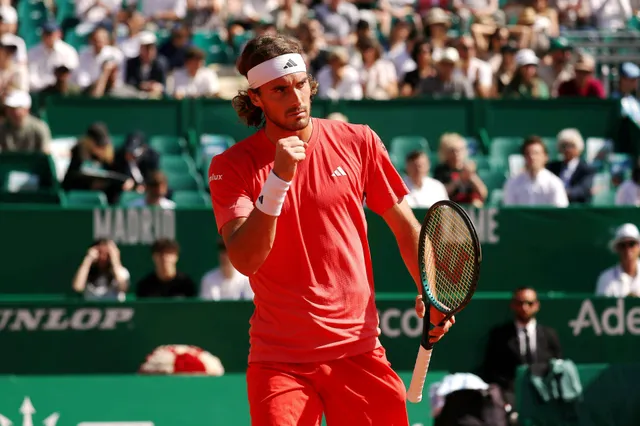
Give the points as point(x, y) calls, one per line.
point(272, 196)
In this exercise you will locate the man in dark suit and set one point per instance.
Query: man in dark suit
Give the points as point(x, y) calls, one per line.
point(518, 342)
point(575, 173)
point(147, 71)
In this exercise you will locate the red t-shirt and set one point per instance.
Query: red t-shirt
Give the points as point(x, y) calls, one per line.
point(592, 89)
point(314, 295)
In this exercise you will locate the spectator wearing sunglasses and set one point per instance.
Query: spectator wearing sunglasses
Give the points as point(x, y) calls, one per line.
point(520, 341)
point(622, 280)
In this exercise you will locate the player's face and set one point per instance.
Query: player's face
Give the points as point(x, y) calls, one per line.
point(525, 305)
point(286, 101)
point(534, 157)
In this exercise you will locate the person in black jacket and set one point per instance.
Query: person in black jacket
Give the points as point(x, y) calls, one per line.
point(136, 160)
point(575, 173)
point(518, 342)
point(147, 71)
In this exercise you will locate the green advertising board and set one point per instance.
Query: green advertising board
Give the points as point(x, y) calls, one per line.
point(550, 249)
point(73, 338)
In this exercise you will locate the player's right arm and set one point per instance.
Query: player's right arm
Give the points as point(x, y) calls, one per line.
point(249, 232)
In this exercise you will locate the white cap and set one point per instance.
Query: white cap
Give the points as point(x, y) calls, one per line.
point(450, 54)
point(9, 15)
point(147, 37)
point(18, 99)
point(8, 39)
point(526, 57)
point(627, 232)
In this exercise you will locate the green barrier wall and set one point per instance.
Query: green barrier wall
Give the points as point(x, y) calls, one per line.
point(143, 401)
point(550, 249)
point(426, 117)
point(72, 338)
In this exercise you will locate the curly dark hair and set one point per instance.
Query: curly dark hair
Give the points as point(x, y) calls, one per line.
point(257, 51)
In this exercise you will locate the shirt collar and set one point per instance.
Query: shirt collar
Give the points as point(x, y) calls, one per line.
point(531, 325)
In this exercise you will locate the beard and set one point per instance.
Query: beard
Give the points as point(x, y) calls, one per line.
point(290, 123)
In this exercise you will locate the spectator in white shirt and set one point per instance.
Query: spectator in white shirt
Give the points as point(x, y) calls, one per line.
point(535, 186)
point(12, 76)
point(377, 75)
point(194, 80)
point(45, 56)
point(622, 280)
point(477, 71)
point(94, 56)
point(9, 25)
point(338, 79)
point(162, 12)
point(225, 282)
point(423, 190)
point(155, 192)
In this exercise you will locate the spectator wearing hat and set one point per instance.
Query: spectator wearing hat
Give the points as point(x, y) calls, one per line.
point(622, 280)
point(93, 57)
point(525, 83)
point(584, 84)
point(12, 75)
point(446, 83)
point(94, 151)
point(437, 23)
point(194, 79)
point(21, 131)
point(338, 79)
point(574, 172)
point(535, 185)
point(507, 68)
point(136, 160)
point(560, 68)
point(147, 72)
point(9, 26)
point(156, 188)
point(628, 83)
point(46, 55)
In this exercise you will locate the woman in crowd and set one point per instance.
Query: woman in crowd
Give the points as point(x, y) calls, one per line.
point(101, 275)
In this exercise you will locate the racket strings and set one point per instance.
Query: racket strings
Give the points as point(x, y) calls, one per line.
point(451, 256)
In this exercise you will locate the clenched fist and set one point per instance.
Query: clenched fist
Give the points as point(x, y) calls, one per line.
point(289, 152)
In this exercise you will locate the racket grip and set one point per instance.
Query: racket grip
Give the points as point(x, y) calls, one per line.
point(414, 394)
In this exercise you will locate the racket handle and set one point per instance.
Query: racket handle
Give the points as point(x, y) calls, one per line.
point(414, 394)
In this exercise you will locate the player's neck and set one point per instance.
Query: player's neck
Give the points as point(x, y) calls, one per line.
point(275, 133)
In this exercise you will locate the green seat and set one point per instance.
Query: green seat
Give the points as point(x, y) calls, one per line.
point(552, 148)
point(482, 162)
point(401, 146)
point(20, 171)
point(216, 49)
point(185, 182)
point(174, 145)
point(86, 198)
point(210, 146)
point(177, 164)
point(190, 198)
point(501, 148)
point(492, 179)
point(45, 196)
point(604, 198)
point(495, 197)
point(128, 196)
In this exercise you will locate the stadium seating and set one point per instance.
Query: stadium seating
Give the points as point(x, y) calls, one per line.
point(78, 198)
point(190, 199)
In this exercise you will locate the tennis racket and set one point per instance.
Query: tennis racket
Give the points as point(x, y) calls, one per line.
point(449, 257)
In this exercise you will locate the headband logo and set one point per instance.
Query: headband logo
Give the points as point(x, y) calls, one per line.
point(290, 64)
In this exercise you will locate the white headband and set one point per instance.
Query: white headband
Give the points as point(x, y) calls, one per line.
point(275, 68)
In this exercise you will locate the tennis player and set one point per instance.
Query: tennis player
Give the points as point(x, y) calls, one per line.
point(288, 203)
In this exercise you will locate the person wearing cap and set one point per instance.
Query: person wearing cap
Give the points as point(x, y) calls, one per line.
point(92, 58)
point(9, 26)
point(437, 23)
point(525, 83)
point(338, 79)
point(22, 131)
point(45, 55)
point(623, 279)
point(446, 83)
point(584, 84)
point(12, 75)
point(148, 71)
point(560, 69)
point(156, 188)
point(576, 174)
point(194, 79)
point(628, 83)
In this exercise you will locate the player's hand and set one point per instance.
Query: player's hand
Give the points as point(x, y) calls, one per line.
point(289, 152)
point(436, 317)
point(420, 309)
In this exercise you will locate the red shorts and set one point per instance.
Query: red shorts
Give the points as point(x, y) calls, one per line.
point(361, 390)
